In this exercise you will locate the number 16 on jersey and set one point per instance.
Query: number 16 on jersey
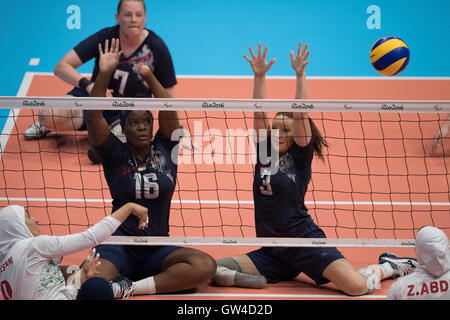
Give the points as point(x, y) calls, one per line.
point(150, 186)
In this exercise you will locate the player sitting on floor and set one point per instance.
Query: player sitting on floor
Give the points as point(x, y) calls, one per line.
point(280, 209)
point(431, 278)
point(142, 170)
point(29, 267)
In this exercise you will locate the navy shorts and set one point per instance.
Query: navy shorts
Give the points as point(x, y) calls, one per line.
point(135, 262)
point(285, 263)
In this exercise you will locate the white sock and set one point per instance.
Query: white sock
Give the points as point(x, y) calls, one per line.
point(386, 270)
point(145, 286)
point(224, 276)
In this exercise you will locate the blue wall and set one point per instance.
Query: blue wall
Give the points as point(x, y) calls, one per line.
point(208, 37)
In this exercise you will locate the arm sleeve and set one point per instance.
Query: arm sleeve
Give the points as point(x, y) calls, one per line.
point(59, 246)
point(110, 149)
point(165, 71)
point(168, 144)
point(303, 155)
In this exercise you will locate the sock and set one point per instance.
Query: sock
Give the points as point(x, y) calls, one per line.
point(229, 278)
point(249, 280)
point(229, 263)
point(386, 270)
point(224, 276)
point(145, 286)
point(372, 277)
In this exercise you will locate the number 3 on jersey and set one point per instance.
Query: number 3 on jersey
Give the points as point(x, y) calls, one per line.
point(151, 187)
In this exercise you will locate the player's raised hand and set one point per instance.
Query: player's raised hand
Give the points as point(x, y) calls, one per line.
point(299, 62)
point(109, 56)
point(142, 213)
point(439, 137)
point(258, 63)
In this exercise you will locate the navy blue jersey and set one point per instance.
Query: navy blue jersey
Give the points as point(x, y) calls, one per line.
point(126, 81)
point(150, 182)
point(279, 199)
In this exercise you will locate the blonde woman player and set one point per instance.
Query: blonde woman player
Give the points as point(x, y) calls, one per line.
point(140, 46)
point(280, 209)
point(29, 267)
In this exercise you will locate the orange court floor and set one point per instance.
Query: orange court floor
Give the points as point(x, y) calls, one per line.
point(57, 169)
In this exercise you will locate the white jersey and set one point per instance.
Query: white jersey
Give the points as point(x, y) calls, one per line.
point(29, 268)
point(431, 278)
point(420, 285)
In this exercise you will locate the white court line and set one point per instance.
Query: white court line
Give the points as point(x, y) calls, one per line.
point(193, 76)
point(273, 296)
point(303, 296)
point(248, 202)
point(13, 113)
point(34, 61)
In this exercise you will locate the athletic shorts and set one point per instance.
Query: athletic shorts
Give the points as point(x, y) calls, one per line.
point(286, 263)
point(135, 262)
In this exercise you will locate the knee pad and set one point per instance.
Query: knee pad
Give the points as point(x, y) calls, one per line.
point(229, 263)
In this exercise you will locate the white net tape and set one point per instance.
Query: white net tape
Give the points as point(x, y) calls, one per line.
point(269, 105)
point(266, 242)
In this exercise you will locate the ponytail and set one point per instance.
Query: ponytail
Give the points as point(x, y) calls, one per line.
point(318, 141)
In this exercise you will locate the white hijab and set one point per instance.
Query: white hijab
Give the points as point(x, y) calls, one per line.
point(432, 251)
point(12, 228)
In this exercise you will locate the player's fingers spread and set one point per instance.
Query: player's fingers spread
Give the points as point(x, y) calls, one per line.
point(265, 52)
point(272, 62)
point(90, 255)
point(251, 52)
point(306, 55)
point(305, 50)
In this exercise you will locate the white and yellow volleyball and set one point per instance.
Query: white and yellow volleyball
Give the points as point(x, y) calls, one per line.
point(389, 55)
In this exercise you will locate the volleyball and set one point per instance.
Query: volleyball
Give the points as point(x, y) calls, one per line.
point(389, 55)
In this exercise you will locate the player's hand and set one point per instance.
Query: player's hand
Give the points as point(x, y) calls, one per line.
point(438, 138)
point(109, 58)
point(299, 62)
point(258, 63)
point(145, 70)
point(142, 213)
point(89, 268)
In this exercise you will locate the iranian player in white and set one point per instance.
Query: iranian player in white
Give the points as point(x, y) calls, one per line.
point(431, 278)
point(29, 267)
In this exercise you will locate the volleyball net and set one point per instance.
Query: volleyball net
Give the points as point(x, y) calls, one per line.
point(377, 185)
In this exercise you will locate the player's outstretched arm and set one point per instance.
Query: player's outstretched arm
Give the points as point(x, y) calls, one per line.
point(302, 128)
point(260, 67)
point(98, 128)
point(168, 120)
